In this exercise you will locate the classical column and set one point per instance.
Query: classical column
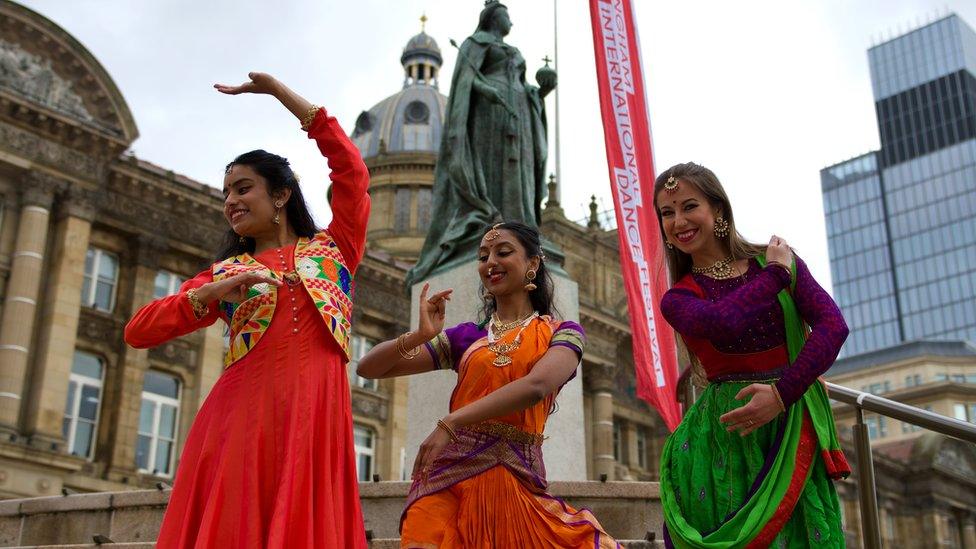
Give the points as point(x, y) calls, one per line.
point(601, 387)
point(58, 321)
point(20, 304)
point(968, 526)
point(133, 363)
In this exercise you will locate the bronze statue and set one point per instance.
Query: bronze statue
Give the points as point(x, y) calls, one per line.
point(492, 160)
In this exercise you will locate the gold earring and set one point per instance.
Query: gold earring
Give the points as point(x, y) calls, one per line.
point(669, 245)
point(721, 227)
point(241, 239)
point(529, 277)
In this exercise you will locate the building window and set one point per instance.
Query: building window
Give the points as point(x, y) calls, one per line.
point(617, 443)
point(364, 441)
point(877, 427)
point(101, 277)
point(401, 210)
point(641, 442)
point(156, 443)
point(83, 403)
point(913, 380)
point(360, 346)
point(167, 283)
point(877, 388)
point(959, 411)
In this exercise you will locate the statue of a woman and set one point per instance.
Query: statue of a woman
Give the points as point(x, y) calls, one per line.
point(492, 160)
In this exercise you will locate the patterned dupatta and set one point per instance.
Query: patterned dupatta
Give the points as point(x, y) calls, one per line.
point(807, 426)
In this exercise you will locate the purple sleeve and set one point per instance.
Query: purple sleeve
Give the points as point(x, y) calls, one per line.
point(693, 316)
point(570, 335)
point(447, 348)
point(828, 332)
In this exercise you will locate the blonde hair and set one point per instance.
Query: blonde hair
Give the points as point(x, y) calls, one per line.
point(679, 263)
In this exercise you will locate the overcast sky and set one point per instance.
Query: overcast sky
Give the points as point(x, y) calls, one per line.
point(765, 93)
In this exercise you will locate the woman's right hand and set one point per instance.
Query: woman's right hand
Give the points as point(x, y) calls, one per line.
point(779, 251)
point(432, 312)
point(233, 289)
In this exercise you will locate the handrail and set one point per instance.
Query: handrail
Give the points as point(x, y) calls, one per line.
point(916, 416)
point(867, 491)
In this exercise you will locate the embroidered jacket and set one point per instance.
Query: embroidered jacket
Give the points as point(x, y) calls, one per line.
point(323, 274)
point(325, 264)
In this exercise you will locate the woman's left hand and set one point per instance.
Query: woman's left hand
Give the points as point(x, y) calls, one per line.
point(260, 82)
point(432, 447)
point(760, 410)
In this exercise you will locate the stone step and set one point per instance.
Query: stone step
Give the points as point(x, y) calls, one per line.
point(627, 510)
point(390, 543)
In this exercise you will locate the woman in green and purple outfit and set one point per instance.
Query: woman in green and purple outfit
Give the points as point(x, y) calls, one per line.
point(751, 463)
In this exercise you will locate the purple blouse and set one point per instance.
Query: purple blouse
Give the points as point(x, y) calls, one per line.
point(449, 346)
point(742, 315)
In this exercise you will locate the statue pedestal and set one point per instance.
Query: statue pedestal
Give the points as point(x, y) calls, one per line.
point(564, 449)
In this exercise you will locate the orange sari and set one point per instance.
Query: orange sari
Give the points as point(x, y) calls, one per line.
point(488, 489)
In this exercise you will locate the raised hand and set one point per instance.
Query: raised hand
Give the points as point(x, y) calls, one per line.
point(260, 82)
point(432, 312)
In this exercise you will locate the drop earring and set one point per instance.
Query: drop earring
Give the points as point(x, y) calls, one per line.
point(277, 219)
point(529, 277)
point(721, 227)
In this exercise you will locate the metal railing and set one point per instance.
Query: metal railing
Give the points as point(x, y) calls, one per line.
point(867, 492)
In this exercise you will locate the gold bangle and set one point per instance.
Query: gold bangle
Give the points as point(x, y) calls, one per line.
point(443, 425)
point(402, 349)
point(779, 399)
point(309, 116)
point(200, 309)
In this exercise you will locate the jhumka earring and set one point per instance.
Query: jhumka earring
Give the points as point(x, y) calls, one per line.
point(721, 227)
point(529, 277)
point(277, 219)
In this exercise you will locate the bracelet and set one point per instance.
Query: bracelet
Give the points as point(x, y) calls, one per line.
point(200, 309)
point(443, 425)
point(309, 116)
point(779, 399)
point(402, 349)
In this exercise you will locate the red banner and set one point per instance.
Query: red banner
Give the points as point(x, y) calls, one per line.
point(627, 134)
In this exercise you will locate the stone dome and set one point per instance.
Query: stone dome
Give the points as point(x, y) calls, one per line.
point(412, 119)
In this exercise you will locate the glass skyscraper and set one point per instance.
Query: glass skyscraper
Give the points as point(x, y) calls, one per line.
point(901, 221)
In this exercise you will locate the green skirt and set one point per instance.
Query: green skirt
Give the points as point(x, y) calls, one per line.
point(767, 489)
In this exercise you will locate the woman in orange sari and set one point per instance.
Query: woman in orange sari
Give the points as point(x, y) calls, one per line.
point(479, 480)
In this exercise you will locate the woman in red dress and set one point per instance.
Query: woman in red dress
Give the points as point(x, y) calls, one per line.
point(269, 459)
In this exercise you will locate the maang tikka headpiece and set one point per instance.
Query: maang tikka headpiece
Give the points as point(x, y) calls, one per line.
point(671, 185)
point(493, 233)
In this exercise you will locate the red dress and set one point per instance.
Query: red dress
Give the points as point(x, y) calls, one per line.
point(269, 459)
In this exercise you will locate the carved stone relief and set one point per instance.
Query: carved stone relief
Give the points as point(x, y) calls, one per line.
point(47, 152)
point(369, 405)
point(34, 78)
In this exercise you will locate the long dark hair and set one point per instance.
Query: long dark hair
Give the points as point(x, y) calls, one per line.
point(542, 297)
point(278, 173)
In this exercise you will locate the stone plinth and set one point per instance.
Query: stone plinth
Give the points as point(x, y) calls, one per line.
point(565, 448)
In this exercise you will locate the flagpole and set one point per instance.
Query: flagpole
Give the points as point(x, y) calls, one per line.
point(555, 56)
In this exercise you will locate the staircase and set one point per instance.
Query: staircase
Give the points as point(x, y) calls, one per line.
point(130, 520)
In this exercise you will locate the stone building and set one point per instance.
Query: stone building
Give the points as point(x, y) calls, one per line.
point(89, 233)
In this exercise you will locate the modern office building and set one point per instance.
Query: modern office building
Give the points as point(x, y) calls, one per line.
point(901, 221)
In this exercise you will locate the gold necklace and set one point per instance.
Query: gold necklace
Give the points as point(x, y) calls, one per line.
point(501, 350)
point(721, 270)
point(498, 327)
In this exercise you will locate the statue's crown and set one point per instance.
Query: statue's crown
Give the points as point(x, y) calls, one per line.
point(491, 2)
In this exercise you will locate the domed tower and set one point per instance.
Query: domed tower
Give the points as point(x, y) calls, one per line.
point(399, 139)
